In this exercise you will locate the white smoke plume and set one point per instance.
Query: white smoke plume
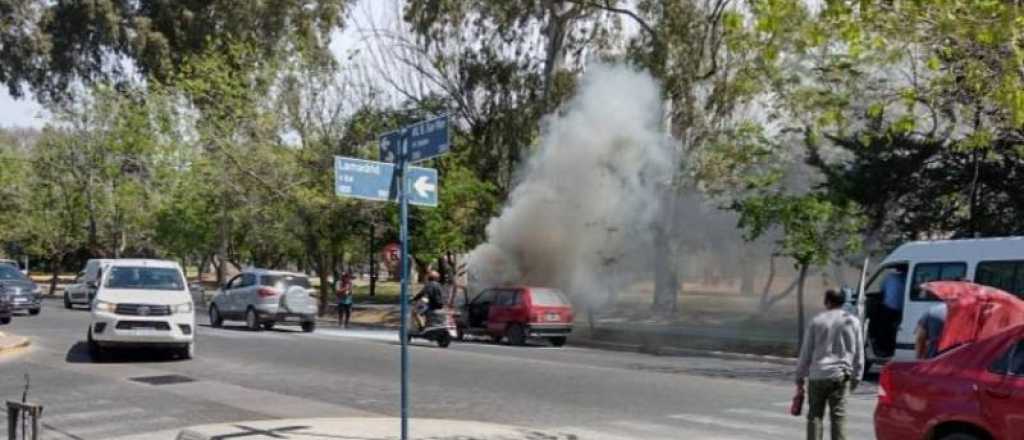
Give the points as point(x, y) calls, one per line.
point(580, 219)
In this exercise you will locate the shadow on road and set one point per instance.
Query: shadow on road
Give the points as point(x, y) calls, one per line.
point(243, 328)
point(79, 354)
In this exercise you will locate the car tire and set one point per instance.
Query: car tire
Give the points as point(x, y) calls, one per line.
point(959, 436)
point(267, 325)
point(187, 352)
point(308, 326)
point(67, 302)
point(252, 322)
point(460, 335)
point(444, 340)
point(5, 320)
point(34, 312)
point(97, 353)
point(216, 320)
point(515, 335)
point(557, 341)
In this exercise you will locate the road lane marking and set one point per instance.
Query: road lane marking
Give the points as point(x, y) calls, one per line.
point(62, 419)
point(728, 423)
point(647, 430)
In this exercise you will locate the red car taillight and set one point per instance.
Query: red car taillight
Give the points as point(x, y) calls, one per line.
point(885, 387)
point(266, 292)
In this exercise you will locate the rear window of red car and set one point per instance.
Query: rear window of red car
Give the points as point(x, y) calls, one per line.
point(547, 297)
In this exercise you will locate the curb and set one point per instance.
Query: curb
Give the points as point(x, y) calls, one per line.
point(10, 344)
point(680, 352)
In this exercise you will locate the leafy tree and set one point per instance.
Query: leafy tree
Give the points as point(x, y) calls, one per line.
point(915, 113)
point(813, 230)
point(50, 46)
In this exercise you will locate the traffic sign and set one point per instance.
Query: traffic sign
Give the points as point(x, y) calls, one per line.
point(422, 186)
point(426, 140)
point(371, 180)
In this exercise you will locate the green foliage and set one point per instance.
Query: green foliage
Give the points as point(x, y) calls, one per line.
point(52, 45)
point(813, 229)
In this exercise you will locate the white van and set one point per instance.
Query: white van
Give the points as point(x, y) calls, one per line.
point(996, 262)
point(142, 303)
point(83, 290)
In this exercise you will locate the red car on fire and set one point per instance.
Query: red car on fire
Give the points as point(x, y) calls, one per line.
point(974, 390)
point(516, 313)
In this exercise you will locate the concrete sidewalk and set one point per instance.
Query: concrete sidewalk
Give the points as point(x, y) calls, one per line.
point(361, 429)
point(11, 343)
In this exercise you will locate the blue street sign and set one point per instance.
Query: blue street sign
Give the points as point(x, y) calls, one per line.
point(371, 180)
point(362, 179)
point(426, 140)
point(422, 186)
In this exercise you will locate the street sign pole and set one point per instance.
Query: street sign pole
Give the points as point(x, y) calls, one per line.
point(394, 177)
point(403, 200)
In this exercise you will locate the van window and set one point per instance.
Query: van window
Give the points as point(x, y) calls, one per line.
point(284, 281)
point(547, 297)
point(507, 298)
point(875, 285)
point(928, 272)
point(1003, 275)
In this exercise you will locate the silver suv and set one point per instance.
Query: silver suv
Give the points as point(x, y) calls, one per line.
point(264, 298)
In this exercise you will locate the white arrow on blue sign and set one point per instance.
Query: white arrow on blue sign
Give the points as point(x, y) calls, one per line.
point(371, 180)
point(426, 140)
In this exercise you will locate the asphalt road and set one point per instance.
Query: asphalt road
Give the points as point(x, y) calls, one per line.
point(240, 375)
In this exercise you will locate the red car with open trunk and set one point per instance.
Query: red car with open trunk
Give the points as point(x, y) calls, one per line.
point(517, 313)
point(974, 390)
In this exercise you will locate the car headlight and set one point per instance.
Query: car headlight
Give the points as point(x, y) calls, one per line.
point(103, 306)
point(183, 308)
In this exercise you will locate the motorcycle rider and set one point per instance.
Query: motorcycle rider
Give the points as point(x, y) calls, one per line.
point(435, 301)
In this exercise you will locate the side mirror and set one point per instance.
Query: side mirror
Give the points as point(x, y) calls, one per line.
point(91, 284)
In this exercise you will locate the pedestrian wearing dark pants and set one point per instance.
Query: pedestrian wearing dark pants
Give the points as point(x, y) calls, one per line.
point(831, 364)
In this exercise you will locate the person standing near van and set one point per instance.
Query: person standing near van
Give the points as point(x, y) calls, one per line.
point(929, 331)
point(344, 293)
point(893, 288)
point(831, 363)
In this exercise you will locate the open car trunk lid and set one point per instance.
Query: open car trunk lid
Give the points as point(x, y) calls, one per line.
point(975, 311)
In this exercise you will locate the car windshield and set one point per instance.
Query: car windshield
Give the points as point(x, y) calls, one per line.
point(150, 278)
point(547, 297)
point(8, 273)
point(285, 281)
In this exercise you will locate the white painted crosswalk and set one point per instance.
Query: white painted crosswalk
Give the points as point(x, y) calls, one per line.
point(769, 421)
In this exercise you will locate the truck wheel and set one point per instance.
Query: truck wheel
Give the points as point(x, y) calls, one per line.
point(252, 322)
point(216, 320)
point(34, 312)
point(67, 302)
point(308, 326)
point(5, 320)
point(268, 326)
point(515, 334)
point(187, 352)
point(444, 340)
point(557, 341)
point(95, 351)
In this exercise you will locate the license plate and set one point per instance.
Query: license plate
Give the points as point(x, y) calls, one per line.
point(20, 300)
point(292, 318)
point(553, 317)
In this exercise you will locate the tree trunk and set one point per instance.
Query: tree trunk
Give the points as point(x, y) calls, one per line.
point(55, 272)
point(666, 268)
point(554, 32)
point(748, 272)
point(323, 270)
point(666, 278)
point(800, 306)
